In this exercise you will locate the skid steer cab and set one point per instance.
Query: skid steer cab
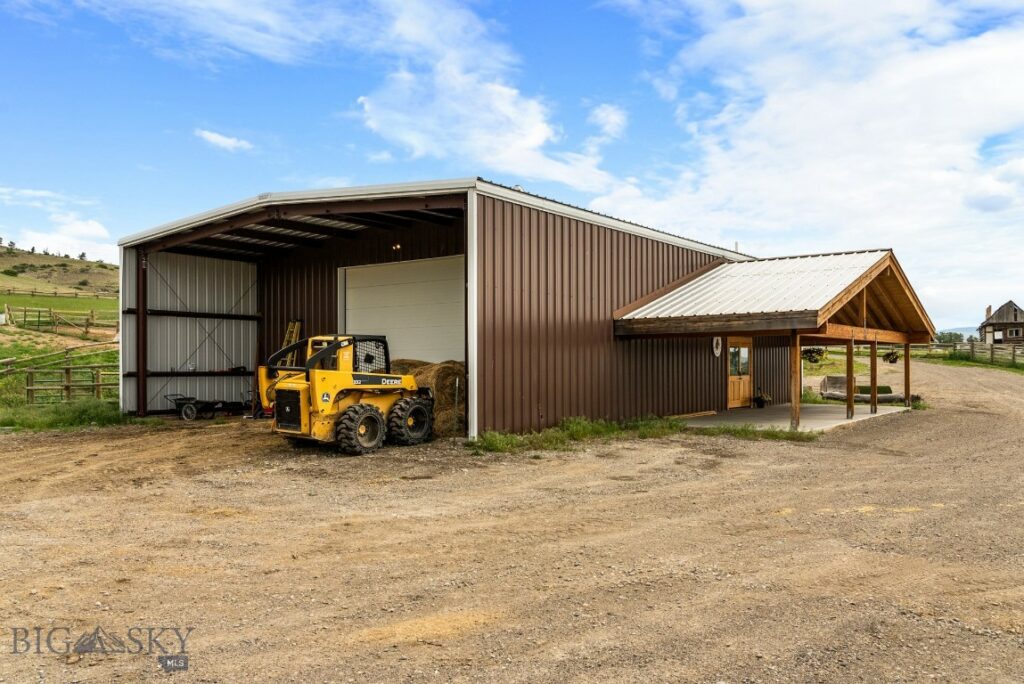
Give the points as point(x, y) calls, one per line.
point(344, 394)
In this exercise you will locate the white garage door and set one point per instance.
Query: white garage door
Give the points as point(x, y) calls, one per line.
point(420, 305)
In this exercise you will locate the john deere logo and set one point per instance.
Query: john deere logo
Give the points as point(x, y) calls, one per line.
point(325, 397)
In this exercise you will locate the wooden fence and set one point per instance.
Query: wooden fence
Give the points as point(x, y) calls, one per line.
point(61, 376)
point(73, 294)
point(66, 383)
point(45, 319)
point(998, 354)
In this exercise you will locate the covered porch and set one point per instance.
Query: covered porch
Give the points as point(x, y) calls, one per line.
point(848, 299)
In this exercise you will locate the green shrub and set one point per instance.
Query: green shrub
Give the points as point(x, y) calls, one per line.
point(9, 272)
point(653, 427)
point(814, 354)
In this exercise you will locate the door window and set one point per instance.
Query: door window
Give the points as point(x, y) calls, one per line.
point(739, 360)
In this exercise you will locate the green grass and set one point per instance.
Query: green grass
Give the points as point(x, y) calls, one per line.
point(572, 431)
point(81, 304)
point(835, 364)
point(80, 413)
point(812, 397)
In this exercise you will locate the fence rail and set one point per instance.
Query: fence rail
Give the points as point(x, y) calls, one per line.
point(73, 294)
point(1004, 354)
point(67, 383)
point(46, 319)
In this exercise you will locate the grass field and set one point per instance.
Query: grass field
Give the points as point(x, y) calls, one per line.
point(835, 364)
point(968, 363)
point(82, 303)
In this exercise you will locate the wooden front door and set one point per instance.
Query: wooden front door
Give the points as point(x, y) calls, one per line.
point(740, 392)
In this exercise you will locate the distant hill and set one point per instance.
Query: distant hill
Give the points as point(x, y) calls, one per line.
point(23, 270)
point(963, 331)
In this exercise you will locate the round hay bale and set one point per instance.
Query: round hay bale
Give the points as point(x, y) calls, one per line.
point(406, 366)
point(447, 380)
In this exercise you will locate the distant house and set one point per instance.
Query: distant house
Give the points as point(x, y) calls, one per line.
point(1004, 326)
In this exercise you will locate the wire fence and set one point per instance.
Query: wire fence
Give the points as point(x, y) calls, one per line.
point(73, 294)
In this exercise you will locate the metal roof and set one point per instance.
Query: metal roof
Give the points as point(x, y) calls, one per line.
point(418, 189)
point(763, 286)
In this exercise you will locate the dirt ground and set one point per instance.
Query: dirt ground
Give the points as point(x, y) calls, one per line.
point(892, 550)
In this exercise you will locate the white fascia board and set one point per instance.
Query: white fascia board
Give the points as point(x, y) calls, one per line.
point(555, 207)
point(278, 198)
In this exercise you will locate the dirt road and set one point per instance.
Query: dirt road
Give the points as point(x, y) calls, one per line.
point(889, 551)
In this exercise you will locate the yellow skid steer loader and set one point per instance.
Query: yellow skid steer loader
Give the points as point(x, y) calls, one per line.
point(345, 394)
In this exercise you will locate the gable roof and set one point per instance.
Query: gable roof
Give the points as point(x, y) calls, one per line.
point(1004, 314)
point(806, 293)
point(269, 200)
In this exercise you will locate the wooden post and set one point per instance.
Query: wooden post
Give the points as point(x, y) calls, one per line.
point(30, 382)
point(992, 353)
point(874, 376)
point(97, 378)
point(67, 383)
point(906, 375)
point(795, 390)
point(851, 382)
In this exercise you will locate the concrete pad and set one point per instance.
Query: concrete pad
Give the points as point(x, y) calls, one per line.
point(813, 417)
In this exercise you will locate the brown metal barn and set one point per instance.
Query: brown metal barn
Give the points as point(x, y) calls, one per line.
point(539, 298)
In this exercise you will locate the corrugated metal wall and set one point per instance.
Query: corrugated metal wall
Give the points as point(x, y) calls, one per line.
point(548, 287)
point(770, 366)
point(303, 284)
point(177, 282)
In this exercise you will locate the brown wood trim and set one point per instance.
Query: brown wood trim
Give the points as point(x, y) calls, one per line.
point(918, 307)
point(771, 324)
point(851, 381)
point(662, 291)
point(839, 301)
point(850, 332)
point(141, 344)
point(874, 377)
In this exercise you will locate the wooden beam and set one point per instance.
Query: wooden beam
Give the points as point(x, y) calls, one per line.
point(795, 389)
point(874, 377)
point(864, 307)
point(906, 375)
point(195, 314)
point(212, 254)
point(662, 291)
point(849, 332)
point(851, 381)
point(840, 300)
point(770, 324)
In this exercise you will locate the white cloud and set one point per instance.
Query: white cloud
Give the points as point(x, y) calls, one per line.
point(808, 126)
point(449, 92)
point(224, 142)
point(51, 220)
point(610, 119)
point(380, 157)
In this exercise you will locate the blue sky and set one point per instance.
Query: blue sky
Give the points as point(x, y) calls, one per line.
point(785, 126)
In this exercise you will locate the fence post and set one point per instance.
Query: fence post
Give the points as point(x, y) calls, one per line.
point(30, 382)
point(972, 351)
point(992, 353)
point(67, 383)
point(97, 379)
point(1013, 355)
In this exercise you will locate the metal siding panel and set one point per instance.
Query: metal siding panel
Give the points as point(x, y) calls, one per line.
point(547, 330)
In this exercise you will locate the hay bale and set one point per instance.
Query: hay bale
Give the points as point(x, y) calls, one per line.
point(406, 366)
point(448, 382)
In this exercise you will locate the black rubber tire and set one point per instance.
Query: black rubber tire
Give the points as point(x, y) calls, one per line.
point(360, 430)
point(188, 412)
point(411, 421)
